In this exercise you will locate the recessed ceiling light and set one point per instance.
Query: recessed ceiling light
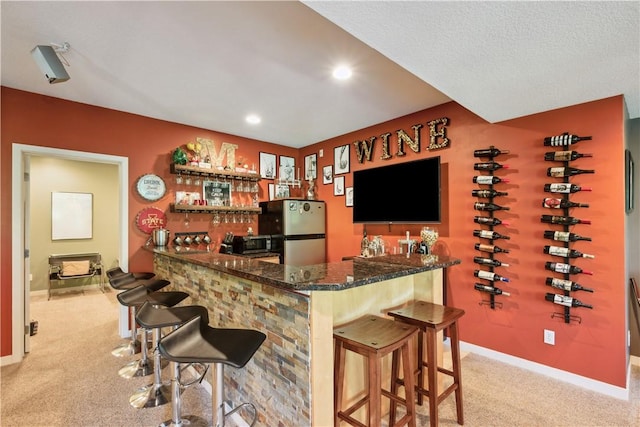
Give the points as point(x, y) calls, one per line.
point(253, 119)
point(342, 72)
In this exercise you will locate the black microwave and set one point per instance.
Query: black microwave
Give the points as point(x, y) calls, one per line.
point(251, 244)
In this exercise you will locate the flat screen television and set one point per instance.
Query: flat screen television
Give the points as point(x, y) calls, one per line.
point(407, 192)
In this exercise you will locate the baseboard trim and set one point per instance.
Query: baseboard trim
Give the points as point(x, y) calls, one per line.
point(567, 377)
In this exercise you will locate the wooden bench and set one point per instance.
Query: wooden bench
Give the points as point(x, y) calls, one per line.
point(75, 266)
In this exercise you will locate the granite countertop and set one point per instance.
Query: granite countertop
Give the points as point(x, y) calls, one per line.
point(333, 276)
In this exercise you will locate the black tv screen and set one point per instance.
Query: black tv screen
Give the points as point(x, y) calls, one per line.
point(407, 192)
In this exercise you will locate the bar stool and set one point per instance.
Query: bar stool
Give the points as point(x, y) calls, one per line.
point(197, 342)
point(156, 317)
point(133, 298)
point(119, 281)
point(375, 337)
point(431, 319)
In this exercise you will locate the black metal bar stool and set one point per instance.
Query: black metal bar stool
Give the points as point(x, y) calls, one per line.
point(119, 280)
point(197, 342)
point(156, 317)
point(431, 319)
point(374, 337)
point(133, 298)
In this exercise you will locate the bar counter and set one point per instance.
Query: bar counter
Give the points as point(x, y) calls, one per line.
point(290, 378)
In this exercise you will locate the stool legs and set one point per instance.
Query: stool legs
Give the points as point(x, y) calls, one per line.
point(177, 420)
point(217, 372)
point(133, 346)
point(455, 355)
point(138, 368)
point(157, 393)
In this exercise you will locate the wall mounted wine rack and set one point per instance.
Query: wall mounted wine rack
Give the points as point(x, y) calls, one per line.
point(487, 261)
point(561, 247)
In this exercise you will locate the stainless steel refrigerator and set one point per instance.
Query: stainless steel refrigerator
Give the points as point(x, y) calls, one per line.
point(297, 229)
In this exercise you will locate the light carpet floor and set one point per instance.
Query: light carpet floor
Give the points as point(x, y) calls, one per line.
point(70, 378)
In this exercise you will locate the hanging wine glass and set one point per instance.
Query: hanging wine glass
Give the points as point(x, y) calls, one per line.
point(216, 219)
point(187, 221)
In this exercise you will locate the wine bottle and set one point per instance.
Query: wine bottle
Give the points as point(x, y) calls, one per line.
point(553, 203)
point(489, 261)
point(486, 234)
point(566, 301)
point(564, 156)
point(567, 171)
point(490, 248)
point(565, 268)
point(489, 166)
point(489, 275)
point(490, 289)
point(489, 207)
point(486, 194)
point(488, 179)
point(564, 188)
point(565, 252)
point(563, 220)
point(488, 221)
point(564, 139)
point(564, 236)
point(489, 152)
point(566, 285)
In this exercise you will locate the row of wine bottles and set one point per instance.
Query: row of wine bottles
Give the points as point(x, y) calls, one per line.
point(563, 188)
point(558, 171)
point(564, 251)
point(490, 221)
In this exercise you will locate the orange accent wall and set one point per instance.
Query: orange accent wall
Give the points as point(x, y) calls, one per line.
point(594, 349)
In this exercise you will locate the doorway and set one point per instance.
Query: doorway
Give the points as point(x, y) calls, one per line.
point(21, 155)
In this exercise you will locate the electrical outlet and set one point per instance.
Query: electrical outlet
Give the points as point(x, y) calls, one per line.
point(321, 153)
point(549, 337)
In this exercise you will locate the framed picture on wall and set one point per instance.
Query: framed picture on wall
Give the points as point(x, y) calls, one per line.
point(71, 215)
point(267, 165)
point(338, 186)
point(348, 200)
point(310, 166)
point(287, 168)
point(327, 174)
point(282, 191)
point(341, 160)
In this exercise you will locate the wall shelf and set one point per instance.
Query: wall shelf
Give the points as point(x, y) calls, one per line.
point(223, 173)
point(175, 207)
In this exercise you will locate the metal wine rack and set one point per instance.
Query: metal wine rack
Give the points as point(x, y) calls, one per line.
point(565, 145)
point(489, 227)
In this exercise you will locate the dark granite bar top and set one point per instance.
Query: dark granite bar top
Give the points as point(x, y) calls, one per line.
point(333, 276)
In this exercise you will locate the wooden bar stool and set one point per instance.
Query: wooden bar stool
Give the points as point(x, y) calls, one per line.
point(431, 319)
point(374, 337)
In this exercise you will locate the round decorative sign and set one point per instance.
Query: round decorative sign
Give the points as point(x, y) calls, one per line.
point(149, 219)
point(151, 187)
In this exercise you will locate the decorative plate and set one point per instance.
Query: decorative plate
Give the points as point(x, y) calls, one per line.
point(151, 187)
point(149, 219)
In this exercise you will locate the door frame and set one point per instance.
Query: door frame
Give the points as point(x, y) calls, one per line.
point(19, 206)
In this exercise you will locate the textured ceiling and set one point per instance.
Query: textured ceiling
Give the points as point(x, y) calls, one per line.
point(208, 64)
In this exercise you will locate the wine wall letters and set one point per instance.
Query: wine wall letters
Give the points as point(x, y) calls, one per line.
point(437, 140)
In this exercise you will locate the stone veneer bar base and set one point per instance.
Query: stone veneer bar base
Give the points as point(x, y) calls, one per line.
point(290, 378)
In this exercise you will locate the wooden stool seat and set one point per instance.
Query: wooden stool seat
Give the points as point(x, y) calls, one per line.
point(431, 319)
point(374, 337)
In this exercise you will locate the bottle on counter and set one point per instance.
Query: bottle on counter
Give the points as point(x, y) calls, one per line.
point(488, 179)
point(564, 187)
point(563, 220)
point(486, 234)
point(563, 171)
point(565, 252)
point(564, 139)
point(566, 285)
point(488, 221)
point(489, 261)
point(489, 275)
point(489, 152)
point(559, 267)
point(566, 301)
point(554, 203)
point(490, 289)
point(564, 236)
point(490, 248)
point(564, 156)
